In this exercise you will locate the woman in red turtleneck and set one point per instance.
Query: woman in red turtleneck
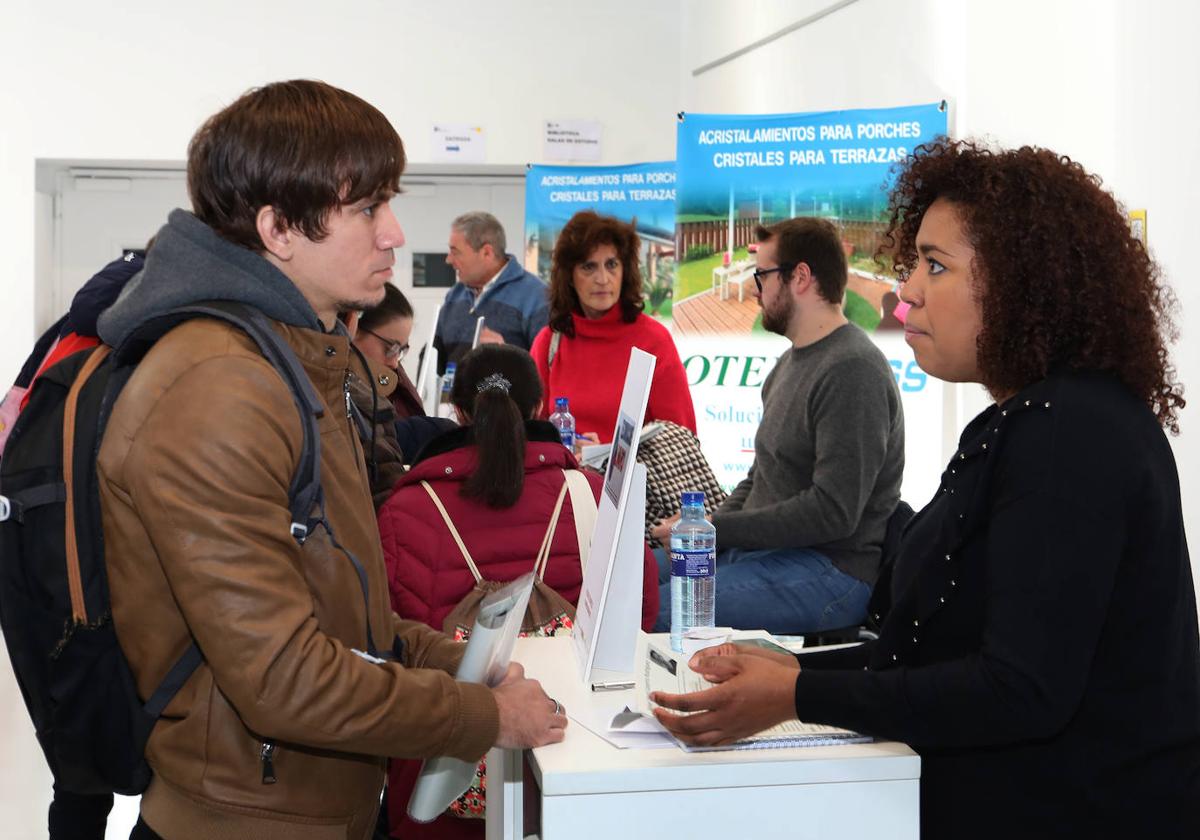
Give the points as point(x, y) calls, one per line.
point(596, 312)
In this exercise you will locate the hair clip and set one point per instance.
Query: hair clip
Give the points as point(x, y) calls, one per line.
point(493, 382)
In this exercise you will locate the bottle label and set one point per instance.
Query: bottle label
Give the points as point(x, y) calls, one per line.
point(693, 563)
point(568, 438)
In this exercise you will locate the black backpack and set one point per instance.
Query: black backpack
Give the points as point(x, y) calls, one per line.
point(54, 599)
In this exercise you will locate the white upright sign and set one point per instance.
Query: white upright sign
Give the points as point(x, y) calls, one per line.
point(606, 617)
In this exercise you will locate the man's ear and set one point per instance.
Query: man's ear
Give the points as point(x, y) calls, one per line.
point(277, 238)
point(802, 278)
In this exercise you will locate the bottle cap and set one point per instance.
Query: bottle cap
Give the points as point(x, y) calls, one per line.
point(560, 403)
point(451, 367)
point(693, 498)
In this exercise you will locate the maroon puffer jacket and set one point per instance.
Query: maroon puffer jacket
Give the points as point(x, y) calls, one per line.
point(427, 575)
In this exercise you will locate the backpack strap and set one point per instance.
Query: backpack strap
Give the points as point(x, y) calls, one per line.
point(14, 505)
point(437, 502)
point(555, 338)
point(583, 505)
point(173, 681)
point(74, 578)
point(539, 565)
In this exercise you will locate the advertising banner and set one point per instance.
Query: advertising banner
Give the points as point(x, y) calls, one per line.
point(737, 172)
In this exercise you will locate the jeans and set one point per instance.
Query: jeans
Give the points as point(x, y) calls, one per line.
point(780, 590)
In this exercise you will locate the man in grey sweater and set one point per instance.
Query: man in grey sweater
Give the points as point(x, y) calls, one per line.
point(799, 539)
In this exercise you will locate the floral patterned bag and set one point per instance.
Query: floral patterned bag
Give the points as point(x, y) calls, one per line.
point(548, 613)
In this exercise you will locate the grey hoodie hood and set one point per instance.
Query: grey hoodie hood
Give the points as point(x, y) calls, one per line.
point(190, 263)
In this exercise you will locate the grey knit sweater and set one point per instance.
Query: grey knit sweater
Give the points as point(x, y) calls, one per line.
point(828, 456)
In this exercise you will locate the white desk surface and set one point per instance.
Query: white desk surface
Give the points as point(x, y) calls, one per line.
point(590, 788)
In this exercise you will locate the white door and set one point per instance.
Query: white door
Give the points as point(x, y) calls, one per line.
point(100, 212)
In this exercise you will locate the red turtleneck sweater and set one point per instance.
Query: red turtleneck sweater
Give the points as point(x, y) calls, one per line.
point(589, 370)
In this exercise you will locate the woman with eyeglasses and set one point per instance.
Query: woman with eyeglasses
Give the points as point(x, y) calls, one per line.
point(1039, 643)
point(595, 320)
point(382, 336)
point(389, 416)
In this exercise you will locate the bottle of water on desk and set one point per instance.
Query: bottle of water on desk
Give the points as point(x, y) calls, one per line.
point(693, 570)
point(445, 405)
point(564, 421)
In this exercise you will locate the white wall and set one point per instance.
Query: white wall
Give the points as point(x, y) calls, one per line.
point(134, 80)
point(1157, 125)
point(871, 54)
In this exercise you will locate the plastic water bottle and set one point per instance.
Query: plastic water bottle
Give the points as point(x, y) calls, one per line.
point(445, 406)
point(563, 420)
point(693, 570)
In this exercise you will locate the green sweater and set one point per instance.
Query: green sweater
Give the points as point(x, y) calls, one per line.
point(828, 456)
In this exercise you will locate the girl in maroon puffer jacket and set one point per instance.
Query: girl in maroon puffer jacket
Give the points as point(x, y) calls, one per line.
point(499, 476)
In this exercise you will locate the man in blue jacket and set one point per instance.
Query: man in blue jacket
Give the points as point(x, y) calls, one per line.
point(491, 285)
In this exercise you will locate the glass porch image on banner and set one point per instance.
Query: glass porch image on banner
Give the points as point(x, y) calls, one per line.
point(736, 172)
point(640, 193)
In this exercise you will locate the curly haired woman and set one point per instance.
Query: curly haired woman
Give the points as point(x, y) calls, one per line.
point(1039, 638)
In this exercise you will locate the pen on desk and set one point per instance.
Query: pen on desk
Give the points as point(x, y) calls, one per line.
point(612, 686)
point(659, 659)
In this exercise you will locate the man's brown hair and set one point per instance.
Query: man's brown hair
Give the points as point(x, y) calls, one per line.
point(814, 242)
point(302, 147)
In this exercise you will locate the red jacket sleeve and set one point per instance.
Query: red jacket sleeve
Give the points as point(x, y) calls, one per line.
point(670, 396)
point(541, 352)
point(67, 345)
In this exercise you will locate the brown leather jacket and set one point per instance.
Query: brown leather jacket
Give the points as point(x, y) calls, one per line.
point(194, 472)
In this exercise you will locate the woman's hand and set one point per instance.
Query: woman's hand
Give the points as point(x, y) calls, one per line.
point(752, 693)
point(490, 336)
point(583, 439)
point(786, 660)
point(662, 531)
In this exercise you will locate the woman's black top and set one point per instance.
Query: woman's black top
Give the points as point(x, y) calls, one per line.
point(1039, 635)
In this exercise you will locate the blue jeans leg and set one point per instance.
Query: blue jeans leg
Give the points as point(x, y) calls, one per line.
point(662, 556)
point(787, 591)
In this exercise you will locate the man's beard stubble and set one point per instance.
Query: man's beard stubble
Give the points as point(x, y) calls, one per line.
point(777, 315)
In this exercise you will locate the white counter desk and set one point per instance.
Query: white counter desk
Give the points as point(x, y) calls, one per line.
point(591, 789)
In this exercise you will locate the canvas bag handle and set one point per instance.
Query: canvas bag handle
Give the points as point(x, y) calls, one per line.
point(543, 555)
point(583, 503)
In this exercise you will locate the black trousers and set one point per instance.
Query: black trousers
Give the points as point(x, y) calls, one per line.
point(141, 831)
point(78, 816)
